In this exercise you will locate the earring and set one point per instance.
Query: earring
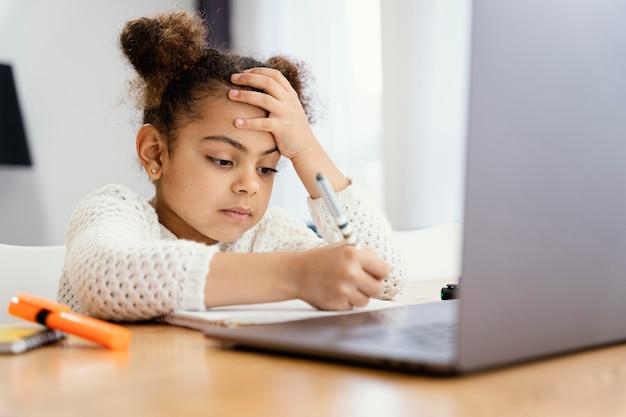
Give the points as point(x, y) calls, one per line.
point(154, 170)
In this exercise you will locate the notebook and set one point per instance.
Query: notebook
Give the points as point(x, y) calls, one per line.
point(253, 314)
point(544, 238)
point(18, 339)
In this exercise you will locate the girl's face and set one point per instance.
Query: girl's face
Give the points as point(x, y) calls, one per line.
point(217, 181)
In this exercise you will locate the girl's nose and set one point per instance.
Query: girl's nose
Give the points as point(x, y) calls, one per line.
point(246, 182)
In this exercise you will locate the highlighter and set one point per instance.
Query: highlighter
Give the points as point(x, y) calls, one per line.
point(59, 317)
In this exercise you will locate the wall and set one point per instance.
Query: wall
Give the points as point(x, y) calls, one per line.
point(79, 117)
point(426, 47)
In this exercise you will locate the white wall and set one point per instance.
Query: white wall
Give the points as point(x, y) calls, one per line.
point(425, 47)
point(80, 120)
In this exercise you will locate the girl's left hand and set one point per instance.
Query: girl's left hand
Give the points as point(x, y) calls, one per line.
point(286, 118)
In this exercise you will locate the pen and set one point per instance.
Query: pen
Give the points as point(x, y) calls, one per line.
point(335, 209)
point(59, 317)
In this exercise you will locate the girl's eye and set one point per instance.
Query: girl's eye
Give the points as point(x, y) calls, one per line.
point(220, 162)
point(268, 171)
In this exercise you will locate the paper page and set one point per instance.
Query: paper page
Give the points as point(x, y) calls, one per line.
point(240, 315)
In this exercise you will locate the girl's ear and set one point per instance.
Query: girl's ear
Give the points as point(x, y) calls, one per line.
point(150, 148)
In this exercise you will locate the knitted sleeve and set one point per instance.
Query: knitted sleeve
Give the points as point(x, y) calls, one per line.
point(280, 232)
point(119, 266)
point(371, 228)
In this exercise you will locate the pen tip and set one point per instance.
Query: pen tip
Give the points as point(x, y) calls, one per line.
point(319, 176)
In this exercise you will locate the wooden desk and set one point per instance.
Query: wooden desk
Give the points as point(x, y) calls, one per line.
point(171, 371)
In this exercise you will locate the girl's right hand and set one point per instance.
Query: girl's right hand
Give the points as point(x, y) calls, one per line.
point(339, 276)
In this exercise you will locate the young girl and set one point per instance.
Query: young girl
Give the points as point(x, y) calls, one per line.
point(215, 127)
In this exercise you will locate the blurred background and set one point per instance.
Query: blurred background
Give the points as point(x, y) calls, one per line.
point(389, 78)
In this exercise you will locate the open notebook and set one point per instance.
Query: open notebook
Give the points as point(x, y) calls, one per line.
point(264, 313)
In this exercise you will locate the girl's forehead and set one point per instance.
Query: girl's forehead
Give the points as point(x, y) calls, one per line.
point(217, 120)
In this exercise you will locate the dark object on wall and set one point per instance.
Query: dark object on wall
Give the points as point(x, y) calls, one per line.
point(13, 146)
point(217, 14)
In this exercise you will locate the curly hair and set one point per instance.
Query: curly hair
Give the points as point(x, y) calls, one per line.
point(177, 69)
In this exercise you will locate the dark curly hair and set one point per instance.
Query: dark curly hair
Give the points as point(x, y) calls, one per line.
point(177, 69)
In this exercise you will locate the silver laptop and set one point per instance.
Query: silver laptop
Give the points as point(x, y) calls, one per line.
point(544, 249)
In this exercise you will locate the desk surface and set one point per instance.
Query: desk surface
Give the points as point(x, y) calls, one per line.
point(170, 371)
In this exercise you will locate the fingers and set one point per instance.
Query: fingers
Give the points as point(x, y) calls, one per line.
point(371, 288)
point(342, 277)
point(358, 299)
point(263, 124)
point(255, 98)
point(367, 280)
point(347, 301)
point(274, 89)
point(277, 98)
point(269, 80)
point(375, 266)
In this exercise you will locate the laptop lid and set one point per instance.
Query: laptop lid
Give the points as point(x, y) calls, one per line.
point(544, 248)
point(544, 265)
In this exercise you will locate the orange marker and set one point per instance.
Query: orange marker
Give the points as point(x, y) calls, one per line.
point(58, 316)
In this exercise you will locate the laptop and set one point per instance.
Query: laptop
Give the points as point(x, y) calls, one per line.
point(544, 241)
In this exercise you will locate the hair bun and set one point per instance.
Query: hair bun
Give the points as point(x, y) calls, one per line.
point(163, 46)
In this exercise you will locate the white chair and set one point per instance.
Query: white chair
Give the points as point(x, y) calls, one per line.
point(432, 252)
point(29, 269)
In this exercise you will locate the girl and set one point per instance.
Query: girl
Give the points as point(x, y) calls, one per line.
point(215, 127)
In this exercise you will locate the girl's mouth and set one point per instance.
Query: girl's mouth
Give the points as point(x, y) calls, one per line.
point(238, 213)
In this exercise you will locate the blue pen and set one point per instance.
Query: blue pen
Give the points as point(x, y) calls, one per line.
point(335, 209)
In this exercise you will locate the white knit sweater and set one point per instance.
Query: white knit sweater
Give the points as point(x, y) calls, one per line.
point(122, 264)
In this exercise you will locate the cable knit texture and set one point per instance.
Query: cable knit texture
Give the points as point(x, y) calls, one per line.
point(122, 264)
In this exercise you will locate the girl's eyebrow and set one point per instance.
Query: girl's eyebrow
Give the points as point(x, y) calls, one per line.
point(235, 144)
